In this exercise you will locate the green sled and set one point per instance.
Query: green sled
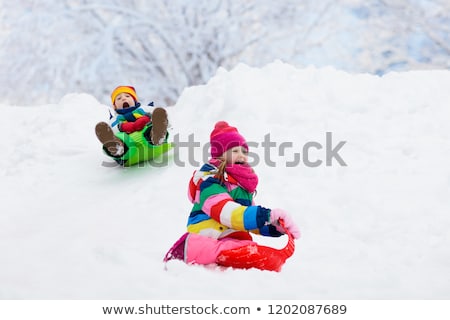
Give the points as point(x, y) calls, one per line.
point(138, 149)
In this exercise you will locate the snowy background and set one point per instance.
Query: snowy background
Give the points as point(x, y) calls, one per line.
point(49, 49)
point(74, 228)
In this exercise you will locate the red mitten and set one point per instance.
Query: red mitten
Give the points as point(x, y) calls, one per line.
point(127, 127)
point(140, 123)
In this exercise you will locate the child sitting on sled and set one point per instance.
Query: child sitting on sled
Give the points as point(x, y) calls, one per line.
point(130, 125)
point(224, 214)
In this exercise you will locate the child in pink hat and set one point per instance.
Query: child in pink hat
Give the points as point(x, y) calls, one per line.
point(224, 215)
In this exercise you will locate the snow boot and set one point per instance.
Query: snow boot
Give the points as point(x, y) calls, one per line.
point(111, 144)
point(159, 126)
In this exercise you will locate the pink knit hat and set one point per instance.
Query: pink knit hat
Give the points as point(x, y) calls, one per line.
point(225, 137)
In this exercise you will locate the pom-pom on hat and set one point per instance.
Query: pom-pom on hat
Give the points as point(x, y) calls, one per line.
point(225, 137)
point(121, 89)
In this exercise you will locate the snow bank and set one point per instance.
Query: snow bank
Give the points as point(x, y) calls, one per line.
point(374, 225)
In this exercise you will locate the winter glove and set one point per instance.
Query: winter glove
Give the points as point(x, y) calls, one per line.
point(127, 127)
point(289, 224)
point(140, 123)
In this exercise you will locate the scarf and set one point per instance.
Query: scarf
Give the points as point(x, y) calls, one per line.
point(243, 174)
point(127, 113)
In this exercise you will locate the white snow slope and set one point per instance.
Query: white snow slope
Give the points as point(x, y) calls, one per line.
point(72, 227)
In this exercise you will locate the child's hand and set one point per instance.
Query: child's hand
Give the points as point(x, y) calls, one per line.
point(289, 224)
point(140, 123)
point(127, 127)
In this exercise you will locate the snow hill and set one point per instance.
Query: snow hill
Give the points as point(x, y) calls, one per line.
point(72, 227)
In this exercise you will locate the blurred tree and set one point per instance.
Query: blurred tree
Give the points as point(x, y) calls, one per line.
point(401, 35)
point(49, 49)
point(160, 47)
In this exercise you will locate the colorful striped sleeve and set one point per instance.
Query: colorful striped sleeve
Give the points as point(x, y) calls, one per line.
point(139, 112)
point(220, 206)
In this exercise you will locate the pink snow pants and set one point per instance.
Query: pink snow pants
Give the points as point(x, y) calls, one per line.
point(204, 250)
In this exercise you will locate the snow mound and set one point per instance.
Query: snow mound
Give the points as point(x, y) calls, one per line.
point(374, 225)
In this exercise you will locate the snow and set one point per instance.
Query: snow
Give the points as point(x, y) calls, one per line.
point(375, 227)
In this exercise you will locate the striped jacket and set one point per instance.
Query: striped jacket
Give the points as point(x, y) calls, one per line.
point(131, 114)
point(224, 209)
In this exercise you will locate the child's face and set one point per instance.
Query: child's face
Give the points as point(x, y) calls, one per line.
point(123, 100)
point(236, 155)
